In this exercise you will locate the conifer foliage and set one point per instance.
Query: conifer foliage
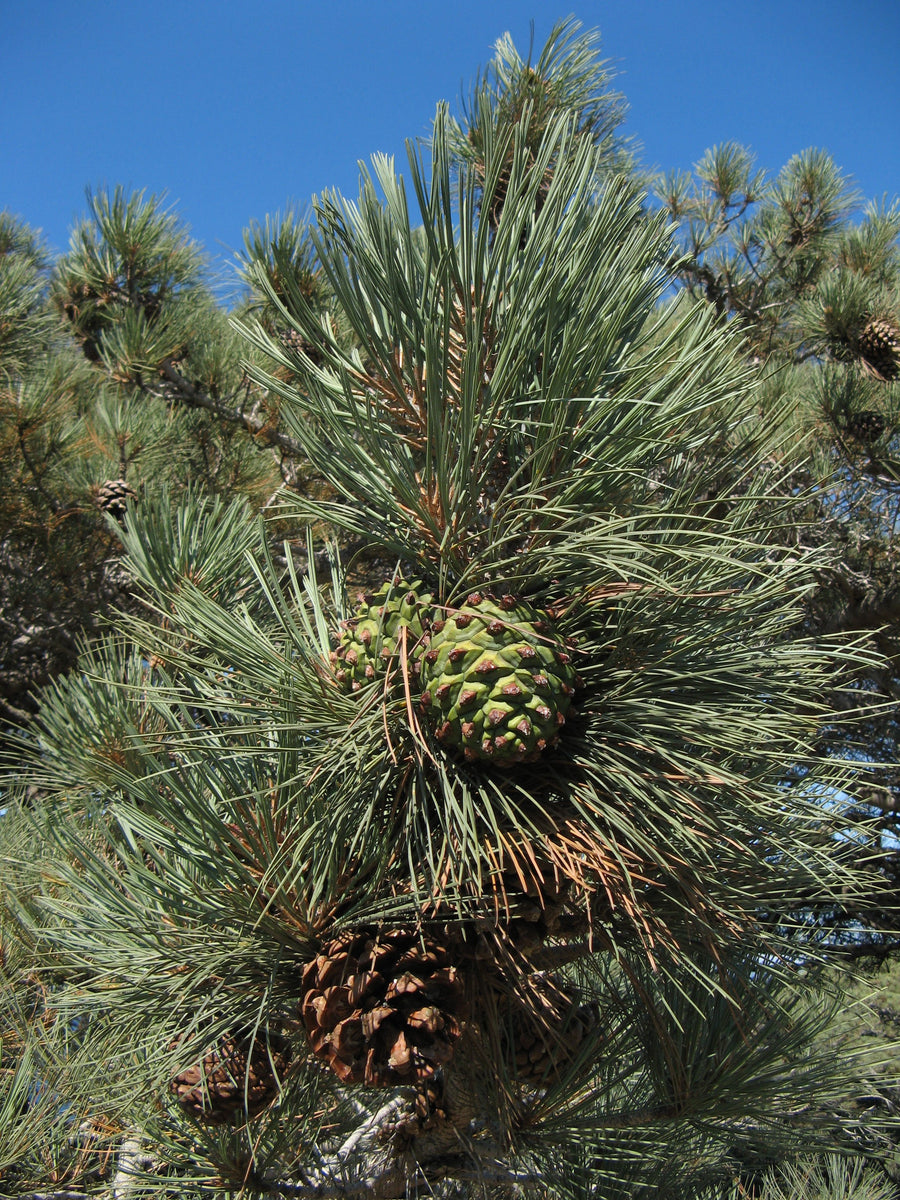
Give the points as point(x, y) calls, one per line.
point(463, 883)
point(813, 279)
point(87, 424)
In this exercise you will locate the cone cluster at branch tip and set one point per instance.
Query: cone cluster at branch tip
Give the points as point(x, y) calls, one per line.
point(495, 682)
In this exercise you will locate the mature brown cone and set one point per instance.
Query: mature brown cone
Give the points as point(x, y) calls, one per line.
point(546, 1026)
point(866, 426)
point(879, 348)
point(382, 1008)
point(237, 1077)
point(112, 496)
point(532, 910)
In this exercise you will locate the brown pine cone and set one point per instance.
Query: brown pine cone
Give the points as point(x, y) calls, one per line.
point(382, 1008)
point(111, 497)
point(866, 426)
point(236, 1078)
point(879, 348)
point(425, 1113)
point(547, 1025)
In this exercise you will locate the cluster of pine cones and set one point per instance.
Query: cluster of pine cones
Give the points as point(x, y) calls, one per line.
point(490, 675)
point(386, 1007)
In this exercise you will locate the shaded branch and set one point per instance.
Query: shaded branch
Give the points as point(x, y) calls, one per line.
point(259, 428)
point(61, 1195)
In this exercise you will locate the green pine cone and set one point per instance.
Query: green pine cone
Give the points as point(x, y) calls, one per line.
point(371, 639)
point(496, 682)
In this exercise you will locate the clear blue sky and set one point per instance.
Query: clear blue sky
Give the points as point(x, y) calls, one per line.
point(238, 107)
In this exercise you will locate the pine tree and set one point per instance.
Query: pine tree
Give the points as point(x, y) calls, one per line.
point(466, 882)
point(463, 883)
point(82, 341)
point(814, 281)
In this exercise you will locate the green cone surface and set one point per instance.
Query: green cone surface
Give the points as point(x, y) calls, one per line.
point(371, 638)
point(496, 682)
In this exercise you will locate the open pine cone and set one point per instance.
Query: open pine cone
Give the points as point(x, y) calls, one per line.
point(112, 497)
point(384, 1008)
point(532, 913)
point(879, 348)
point(237, 1077)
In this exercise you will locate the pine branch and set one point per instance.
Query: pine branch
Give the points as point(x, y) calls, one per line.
point(363, 1137)
point(12, 714)
point(60, 1195)
point(134, 1163)
point(394, 1182)
point(52, 502)
point(264, 432)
